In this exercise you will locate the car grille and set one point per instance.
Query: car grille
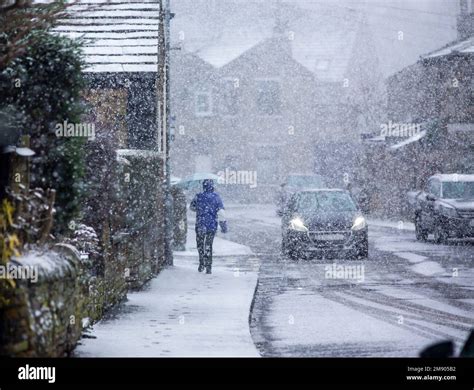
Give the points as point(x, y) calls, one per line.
point(466, 213)
point(329, 238)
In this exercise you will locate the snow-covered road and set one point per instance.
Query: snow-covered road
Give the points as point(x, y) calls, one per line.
point(406, 296)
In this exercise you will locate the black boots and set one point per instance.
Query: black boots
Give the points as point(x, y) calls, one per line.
point(202, 268)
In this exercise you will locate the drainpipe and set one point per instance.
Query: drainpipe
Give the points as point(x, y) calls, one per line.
point(168, 199)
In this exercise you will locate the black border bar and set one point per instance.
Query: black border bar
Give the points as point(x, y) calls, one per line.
point(349, 371)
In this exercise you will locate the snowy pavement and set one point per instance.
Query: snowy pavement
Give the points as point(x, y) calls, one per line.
point(183, 313)
point(390, 224)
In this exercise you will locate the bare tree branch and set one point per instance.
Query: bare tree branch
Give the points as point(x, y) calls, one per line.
point(19, 18)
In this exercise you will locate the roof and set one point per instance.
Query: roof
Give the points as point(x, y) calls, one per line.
point(324, 45)
point(322, 190)
point(304, 174)
point(409, 140)
point(463, 47)
point(454, 177)
point(319, 43)
point(121, 36)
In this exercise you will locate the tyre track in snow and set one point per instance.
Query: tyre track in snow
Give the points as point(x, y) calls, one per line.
point(437, 316)
point(280, 276)
point(387, 315)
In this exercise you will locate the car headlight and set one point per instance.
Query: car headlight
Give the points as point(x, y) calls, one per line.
point(298, 225)
point(449, 211)
point(359, 223)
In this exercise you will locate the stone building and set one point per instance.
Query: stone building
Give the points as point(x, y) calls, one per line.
point(435, 94)
point(269, 95)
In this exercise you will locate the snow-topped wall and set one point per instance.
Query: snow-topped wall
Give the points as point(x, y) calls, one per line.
point(42, 315)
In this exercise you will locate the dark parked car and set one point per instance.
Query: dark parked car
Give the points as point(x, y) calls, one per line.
point(445, 207)
point(297, 182)
point(446, 349)
point(323, 220)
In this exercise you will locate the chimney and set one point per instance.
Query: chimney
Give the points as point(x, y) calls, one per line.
point(281, 33)
point(465, 20)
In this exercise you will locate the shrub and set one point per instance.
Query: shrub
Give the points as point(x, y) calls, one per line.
point(45, 84)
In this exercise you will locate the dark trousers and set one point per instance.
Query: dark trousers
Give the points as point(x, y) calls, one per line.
point(204, 242)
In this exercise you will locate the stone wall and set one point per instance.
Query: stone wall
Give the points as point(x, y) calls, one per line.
point(117, 248)
point(42, 315)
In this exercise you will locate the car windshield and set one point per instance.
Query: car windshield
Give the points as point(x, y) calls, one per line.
point(458, 190)
point(325, 201)
point(306, 181)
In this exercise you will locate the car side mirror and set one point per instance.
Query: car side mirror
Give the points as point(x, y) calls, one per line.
point(443, 349)
point(430, 197)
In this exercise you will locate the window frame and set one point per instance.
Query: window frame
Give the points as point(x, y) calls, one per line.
point(275, 114)
point(430, 185)
point(230, 80)
point(209, 95)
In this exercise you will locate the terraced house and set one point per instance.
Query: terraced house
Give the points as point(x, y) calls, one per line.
point(121, 46)
point(271, 90)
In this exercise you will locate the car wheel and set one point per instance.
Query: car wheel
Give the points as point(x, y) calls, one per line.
point(290, 252)
point(421, 234)
point(363, 250)
point(440, 235)
point(294, 254)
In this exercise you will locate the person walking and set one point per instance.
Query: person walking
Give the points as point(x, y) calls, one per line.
point(209, 214)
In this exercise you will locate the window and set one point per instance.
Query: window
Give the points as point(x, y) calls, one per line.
point(268, 97)
point(266, 167)
point(203, 103)
point(229, 97)
point(333, 201)
point(458, 190)
point(300, 181)
point(434, 188)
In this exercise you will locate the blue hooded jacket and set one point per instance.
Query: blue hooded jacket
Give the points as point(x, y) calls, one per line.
point(206, 205)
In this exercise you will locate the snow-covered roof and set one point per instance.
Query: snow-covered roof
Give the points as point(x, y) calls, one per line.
point(409, 140)
point(231, 44)
point(124, 153)
point(121, 36)
point(316, 190)
point(463, 47)
point(319, 42)
point(454, 177)
point(324, 46)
